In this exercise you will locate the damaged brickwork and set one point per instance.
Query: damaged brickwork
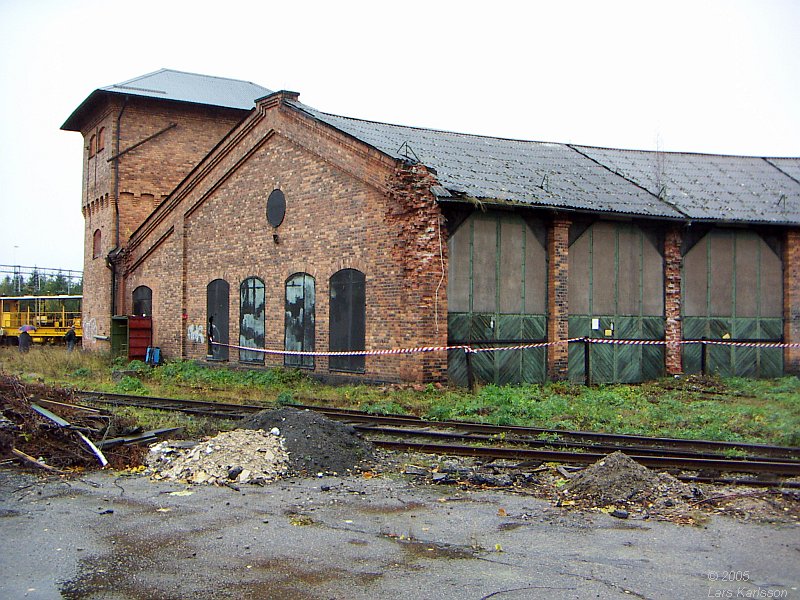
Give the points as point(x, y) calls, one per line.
point(422, 250)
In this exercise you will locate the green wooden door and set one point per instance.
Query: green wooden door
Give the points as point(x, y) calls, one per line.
point(733, 290)
point(616, 292)
point(497, 297)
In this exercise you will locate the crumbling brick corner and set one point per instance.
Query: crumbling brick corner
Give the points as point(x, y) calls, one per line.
point(421, 251)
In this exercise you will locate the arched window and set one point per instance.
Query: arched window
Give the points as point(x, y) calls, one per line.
point(217, 302)
point(92, 146)
point(251, 319)
point(96, 244)
point(101, 139)
point(143, 301)
point(299, 337)
point(347, 319)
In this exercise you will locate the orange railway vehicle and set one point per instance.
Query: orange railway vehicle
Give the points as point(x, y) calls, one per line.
point(49, 316)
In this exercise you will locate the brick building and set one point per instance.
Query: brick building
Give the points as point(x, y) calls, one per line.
point(215, 205)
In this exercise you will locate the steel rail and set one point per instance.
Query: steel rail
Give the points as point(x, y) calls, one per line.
point(538, 443)
point(563, 435)
point(657, 462)
point(648, 451)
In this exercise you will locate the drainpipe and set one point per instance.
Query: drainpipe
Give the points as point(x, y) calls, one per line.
point(109, 261)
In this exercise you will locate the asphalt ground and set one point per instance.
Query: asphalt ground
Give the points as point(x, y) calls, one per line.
point(105, 535)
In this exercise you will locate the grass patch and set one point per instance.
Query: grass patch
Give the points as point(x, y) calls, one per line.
point(194, 426)
point(736, 409)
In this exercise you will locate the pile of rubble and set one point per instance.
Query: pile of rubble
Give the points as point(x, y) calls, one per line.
point(269, 445)
point(620, 483)
point(316, 444)
point(232, 457)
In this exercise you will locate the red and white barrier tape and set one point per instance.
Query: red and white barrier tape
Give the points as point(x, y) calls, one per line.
point(688, 342)
point(743, 344)
point(346, 352)
point(520, 346)
point(625, 342)
point(471, 350)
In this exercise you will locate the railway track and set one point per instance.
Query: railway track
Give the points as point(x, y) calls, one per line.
point(524, 444)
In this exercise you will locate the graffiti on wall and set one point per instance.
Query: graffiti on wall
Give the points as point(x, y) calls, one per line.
point(196, 333)
point(90, 331)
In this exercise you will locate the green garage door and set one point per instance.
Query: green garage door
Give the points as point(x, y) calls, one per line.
point(733, 289)
point(496, 294)
point(616, 292)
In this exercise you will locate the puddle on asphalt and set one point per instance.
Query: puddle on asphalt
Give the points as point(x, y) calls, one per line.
point(420, 549)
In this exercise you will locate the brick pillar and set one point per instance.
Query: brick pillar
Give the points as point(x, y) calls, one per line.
point(558, 298)
point(672, 299)
point(791, 301)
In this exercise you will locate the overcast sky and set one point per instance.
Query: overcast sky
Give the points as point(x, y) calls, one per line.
point(699, 76)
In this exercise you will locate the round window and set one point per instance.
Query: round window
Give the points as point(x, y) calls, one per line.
point(276, 208)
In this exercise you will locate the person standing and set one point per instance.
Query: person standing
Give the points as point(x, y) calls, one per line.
point(70, 338)
point(25, 340)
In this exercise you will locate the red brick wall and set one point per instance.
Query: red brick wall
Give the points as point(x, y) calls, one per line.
point(147, 174)
point(98, 208)
point(791, 300)
point(672, 300)
point(558, 299)
point(347, 207)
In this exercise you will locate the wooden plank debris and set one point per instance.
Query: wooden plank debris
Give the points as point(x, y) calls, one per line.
point(140, 438)
point(38, 463)
point(62, 423)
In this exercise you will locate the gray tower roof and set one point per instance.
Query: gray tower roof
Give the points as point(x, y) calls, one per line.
point(176, 86)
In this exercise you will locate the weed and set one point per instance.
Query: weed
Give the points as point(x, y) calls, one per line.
point(138, 367)
point(285, 398)
point(383, 408)
point(131, 385)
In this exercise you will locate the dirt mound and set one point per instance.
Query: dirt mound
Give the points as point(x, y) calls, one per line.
point(239, 456)
point(613, 479)
point(316, 444)
point(621, 481)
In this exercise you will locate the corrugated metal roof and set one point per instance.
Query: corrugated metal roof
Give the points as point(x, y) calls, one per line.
point(790, 166)
point(191, 87)
point(175, 86)
point(712, 187)
point(510, 171)
point(626, 182)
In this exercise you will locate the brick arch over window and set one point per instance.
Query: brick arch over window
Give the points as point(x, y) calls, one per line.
point(347, 321)
point(143, 301)
point(96, 243)
point(300, 319)
point(101, 139)
point(251, 319)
